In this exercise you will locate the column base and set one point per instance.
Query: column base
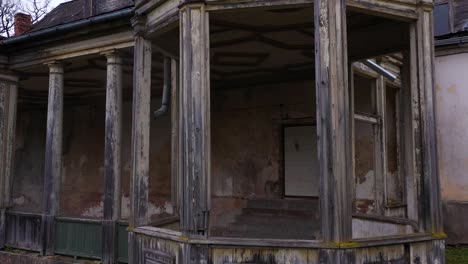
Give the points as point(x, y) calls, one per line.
point(2, 227)
point(108, 241)
point(48, 235)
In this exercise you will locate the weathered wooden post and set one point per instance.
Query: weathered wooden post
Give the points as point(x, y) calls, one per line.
point(431, 202)
point(140, 134)
point(8, 102)
point(194, 125)
point(333, 119)
point(175, 134)
point(112, 154)
point(53, 157)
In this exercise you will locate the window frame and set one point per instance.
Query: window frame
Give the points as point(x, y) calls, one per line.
point(378, 120)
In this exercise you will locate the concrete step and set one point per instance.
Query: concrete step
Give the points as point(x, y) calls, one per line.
point(270, 229)
point(257, 225)
point(286, 204)
point(279, 212)
point(275, 219)
point(270, 222)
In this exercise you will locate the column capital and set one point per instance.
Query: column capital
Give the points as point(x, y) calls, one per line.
point(3, 62)
point(55, 67)
point(139, 25)
point(184, 3)
point(8, 76)
point(426, 5)
point(113, 56)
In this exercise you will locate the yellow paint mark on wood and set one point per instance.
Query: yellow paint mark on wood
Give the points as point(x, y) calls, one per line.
point(440, 235)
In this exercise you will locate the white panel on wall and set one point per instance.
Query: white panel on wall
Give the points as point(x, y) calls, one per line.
point(301, 171)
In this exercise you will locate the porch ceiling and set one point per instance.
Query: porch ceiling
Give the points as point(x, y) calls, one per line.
point(84, 79)
point(249, 47)
point(256, 46)
point(253, 46)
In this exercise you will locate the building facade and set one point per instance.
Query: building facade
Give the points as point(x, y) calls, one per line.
point(450, 93)
point(220, 131)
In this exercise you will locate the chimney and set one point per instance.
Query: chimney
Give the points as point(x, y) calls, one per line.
point(23, 23)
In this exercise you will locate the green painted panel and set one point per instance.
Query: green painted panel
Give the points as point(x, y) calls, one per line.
point(78, 238)
point(122, 242)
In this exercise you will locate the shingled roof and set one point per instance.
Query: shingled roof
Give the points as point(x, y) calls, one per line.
point(79, 9)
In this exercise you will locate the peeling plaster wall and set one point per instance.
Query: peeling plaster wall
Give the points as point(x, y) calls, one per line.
point(82, 184)
point(246, 145)
point(246, 136)
point(452, 127)
point(28, 175)
point(82, 168)
point(83, 161)
point(126, 159)
point(160, 163)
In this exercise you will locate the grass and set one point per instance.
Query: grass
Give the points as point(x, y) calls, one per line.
point(456, 255)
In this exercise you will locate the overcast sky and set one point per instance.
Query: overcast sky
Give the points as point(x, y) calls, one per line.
point(54, 3)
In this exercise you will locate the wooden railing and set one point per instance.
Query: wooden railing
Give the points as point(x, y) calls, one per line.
point(78, 237)
point(122, 242)
point(83, 238)
point(23, 231)
point(74, 237)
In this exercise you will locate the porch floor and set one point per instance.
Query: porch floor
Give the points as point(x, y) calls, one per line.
point(275, 219)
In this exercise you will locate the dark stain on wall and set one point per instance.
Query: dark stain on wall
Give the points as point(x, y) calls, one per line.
point(246, 142)
point(246, 139)
point(28, 175)
point(83, 161)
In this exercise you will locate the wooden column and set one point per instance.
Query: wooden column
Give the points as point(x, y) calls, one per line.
point(411, 132)
point(194, 119)
point(432, 214)
point(8, 102)
point(53, 157)
point(333, 120)
point(175, 185)
point(141, 132)
point(112, 155)
point(140, 135)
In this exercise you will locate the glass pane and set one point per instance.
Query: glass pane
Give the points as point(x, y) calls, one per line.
point(364, 95)
point(364, 167)
point(394, 182)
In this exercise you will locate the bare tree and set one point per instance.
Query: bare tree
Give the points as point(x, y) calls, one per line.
point(36, 8)
point(9, 8)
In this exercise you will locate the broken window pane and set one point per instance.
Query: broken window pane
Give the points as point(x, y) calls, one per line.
point(364, 95)
point(364, 167)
